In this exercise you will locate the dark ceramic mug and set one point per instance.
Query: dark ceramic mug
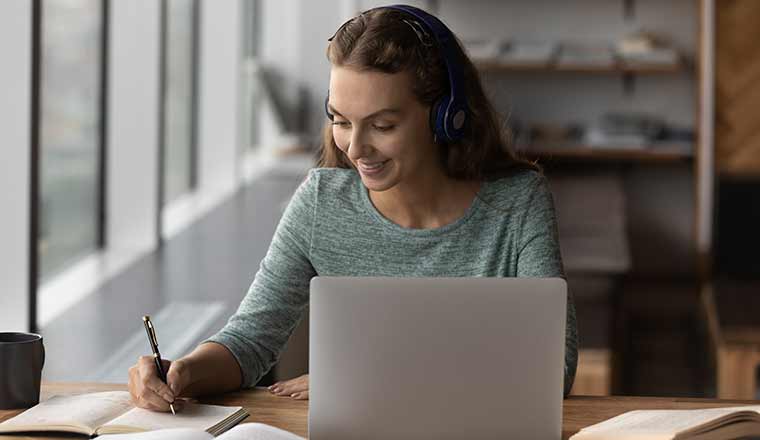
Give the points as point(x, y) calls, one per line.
point(22, 356)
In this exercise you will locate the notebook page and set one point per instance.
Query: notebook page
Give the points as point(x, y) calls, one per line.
point(85, 409)
point(164, 434)
point(655, 424)
point(257, 431)
point(193, 415)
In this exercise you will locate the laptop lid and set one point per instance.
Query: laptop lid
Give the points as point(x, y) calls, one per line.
point(443, 358)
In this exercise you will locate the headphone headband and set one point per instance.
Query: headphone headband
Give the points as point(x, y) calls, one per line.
point(451, 114)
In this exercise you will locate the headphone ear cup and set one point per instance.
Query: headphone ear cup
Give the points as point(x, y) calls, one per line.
point(437, 115)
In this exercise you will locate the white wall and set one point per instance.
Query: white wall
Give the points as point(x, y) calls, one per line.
point(218, 149)
point(133, 125)
point(318, 23)
point(15, 87)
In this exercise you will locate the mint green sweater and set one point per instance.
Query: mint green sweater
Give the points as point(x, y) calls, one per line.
point(331, 227)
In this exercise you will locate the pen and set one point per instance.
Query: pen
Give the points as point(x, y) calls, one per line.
point(156, 355)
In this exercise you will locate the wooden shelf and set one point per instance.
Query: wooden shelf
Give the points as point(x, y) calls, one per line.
point(616, 68)
point(652, 154)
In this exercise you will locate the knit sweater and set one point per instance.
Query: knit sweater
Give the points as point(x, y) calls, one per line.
point(331, 228)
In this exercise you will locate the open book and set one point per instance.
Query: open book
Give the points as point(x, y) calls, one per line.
point(112, 413)
point(677, 424)
point(247, 431)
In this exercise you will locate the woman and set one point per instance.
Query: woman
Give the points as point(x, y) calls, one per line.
point(399, 191)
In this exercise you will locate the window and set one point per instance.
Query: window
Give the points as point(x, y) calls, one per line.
point(70, 152)
point(251, 88)
point(180, 41)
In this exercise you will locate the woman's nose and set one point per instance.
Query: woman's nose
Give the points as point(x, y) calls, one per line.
point(357, 146)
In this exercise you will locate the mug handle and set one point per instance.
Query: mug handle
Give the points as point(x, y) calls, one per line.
point(43, 354)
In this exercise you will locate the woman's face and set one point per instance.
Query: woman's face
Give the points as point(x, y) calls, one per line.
point(381, 126)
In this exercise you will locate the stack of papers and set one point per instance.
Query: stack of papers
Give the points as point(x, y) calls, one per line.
point(573, 54)
point(513, 52)
point(529, 52)
point(652, 57)
point(645, 49)
point(624, 130)
point(483, 50)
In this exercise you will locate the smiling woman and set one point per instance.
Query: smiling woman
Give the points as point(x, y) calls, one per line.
point(382, 43)
point(382, 129)
point(416, 179)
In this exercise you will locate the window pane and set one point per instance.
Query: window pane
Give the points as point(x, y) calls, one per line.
point(178, 116)
point(69, 131)
point(251, 28)
point(251, 88)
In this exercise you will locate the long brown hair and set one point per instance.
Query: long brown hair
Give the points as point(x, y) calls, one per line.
point(381, 40)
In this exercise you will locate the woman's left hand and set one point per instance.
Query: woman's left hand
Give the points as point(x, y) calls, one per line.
point(297, 388)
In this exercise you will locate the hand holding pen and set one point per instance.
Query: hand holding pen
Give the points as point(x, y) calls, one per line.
point(148, 378)
point(156, 354)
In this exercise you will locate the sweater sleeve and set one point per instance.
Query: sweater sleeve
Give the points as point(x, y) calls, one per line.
point(539, 256)
point(257, 333)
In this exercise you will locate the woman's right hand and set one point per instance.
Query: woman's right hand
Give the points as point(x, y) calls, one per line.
point(149, 392)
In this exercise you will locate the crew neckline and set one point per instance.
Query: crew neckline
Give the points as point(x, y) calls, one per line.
point(426, 232)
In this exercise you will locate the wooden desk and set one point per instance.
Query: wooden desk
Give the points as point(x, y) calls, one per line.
point(291, 415)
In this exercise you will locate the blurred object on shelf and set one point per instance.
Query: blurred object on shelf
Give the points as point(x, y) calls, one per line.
point(645, 49)
point(633, 55)
point(554, 134)
point(484, 50)
point(617, 136)
point(624, 130)
point(683, 135)
point(586, 55)
point(531, 53)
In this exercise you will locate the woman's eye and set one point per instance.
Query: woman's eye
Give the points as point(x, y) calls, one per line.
point(341, 123)
point(383, 127)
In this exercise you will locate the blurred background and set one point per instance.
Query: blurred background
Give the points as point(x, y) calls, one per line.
point(149, 147)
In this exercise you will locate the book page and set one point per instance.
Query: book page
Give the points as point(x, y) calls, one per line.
point(246, 431)
point(193, 415)
point(258, 431)
point(165, 434)
point(655, 424)
point(88, 410)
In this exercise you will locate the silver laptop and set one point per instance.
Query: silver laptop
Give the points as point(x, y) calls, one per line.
point(436, 358)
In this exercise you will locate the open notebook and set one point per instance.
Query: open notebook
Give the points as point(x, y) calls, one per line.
point(112, 413)
point(677, 424)
point(247, 431)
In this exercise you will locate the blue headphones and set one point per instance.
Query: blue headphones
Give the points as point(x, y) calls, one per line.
point(449, 113)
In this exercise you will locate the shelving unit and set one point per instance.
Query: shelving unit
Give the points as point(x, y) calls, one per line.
point(619, 67)
point(652, 154)
point(666, 186)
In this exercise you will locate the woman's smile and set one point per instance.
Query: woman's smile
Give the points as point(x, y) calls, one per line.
point(372, 169)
